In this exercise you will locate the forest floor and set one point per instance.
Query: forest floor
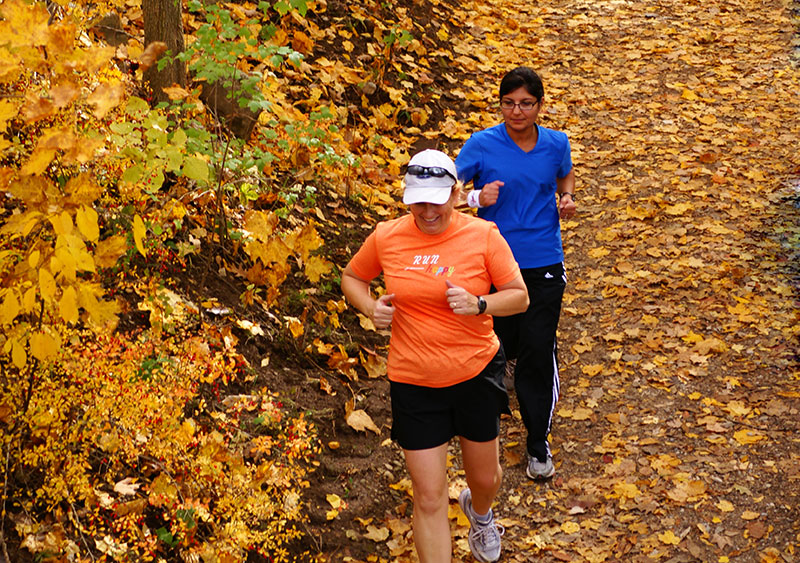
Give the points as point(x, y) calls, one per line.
point(677, 433)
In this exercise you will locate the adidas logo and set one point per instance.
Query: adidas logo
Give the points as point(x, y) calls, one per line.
point(548, 276)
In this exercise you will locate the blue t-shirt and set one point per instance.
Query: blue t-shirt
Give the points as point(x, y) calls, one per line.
point(526, 211)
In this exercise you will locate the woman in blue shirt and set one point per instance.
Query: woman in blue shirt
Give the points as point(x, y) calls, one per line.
point(524, 183)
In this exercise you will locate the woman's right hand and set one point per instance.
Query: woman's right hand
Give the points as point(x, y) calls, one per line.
point(489, 193)
point(383, 311)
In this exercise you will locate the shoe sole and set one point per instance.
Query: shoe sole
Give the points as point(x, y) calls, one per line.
point(539, 477)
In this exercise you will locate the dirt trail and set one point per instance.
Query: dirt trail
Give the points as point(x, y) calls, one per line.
point(676, 436)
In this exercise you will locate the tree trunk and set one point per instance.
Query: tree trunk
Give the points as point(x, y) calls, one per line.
point(162, 22)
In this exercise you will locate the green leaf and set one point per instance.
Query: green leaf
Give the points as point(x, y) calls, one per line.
point(121, 127)
point(136, 107)
point(301, 6)
point(164, 535)
point(133, 174)
point(195, 169)
point(282, 7)
point(179, 138)
point(174, 158)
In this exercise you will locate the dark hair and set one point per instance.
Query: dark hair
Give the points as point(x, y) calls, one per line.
point(522, 76)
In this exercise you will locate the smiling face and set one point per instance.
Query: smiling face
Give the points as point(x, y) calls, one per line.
point(434, 219)
point(516, 119)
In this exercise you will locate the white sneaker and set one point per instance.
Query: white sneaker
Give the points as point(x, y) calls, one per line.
point(484, 538)
point(540, 469)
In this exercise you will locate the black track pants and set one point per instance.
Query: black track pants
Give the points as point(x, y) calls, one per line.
point(530, 338)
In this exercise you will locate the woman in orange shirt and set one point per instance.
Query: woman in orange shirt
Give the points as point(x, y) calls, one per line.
point(446, 365)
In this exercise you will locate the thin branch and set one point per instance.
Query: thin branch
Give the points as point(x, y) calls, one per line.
point(80, 531)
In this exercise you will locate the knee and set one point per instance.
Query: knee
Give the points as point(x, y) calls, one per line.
point(429, 500)
point(487, 480)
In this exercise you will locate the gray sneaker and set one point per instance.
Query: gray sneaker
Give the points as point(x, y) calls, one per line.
point(540, 469)
point(483, 539)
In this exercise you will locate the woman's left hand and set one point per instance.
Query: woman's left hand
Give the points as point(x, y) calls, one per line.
point(460, 300)
point(566, 207)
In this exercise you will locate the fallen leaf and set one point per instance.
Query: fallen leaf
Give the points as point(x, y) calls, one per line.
point(359, 420)
point(127, 486)
point(377, 534)
point(749, 515)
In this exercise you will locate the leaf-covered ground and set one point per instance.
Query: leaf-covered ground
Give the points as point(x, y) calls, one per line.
point(676, 436)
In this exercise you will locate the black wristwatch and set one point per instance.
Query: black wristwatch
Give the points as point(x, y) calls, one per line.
point(481, 305)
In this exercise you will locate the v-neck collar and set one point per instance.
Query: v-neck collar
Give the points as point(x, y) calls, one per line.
point(512, 141)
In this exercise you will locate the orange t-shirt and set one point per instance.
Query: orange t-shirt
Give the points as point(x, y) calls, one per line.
point(431, 345)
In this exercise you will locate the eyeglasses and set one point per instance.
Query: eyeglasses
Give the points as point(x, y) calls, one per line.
point(428, 171)
point(525, 105)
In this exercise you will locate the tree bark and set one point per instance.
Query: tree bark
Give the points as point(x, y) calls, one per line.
point(162, 22)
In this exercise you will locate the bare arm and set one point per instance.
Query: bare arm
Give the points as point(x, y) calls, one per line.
point(356, 290)
point(511, 298)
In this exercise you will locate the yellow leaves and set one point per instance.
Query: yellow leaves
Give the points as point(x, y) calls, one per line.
point(260, 224)
point(38, 162)
point(302, 42)
point(579, 413)
point(687, 491)
point(18, 355)
point(25, 24)
point(377, 534)
point(570, 527)
point(598, 252)
point(747, 436)
point(689, 95)
point(669, 538)
point(626, 490)
point(109, 250)
point(10, 308)
point(36, 109)
point(316, 267)
point(176, 92)
point(139, 231)
point(707, 119)
point(336, 503)
point(105, 97)
point(640, 213)
point(725, 506)
point(679, 208)
point(738, 408)
point(373, 364)
point(64, 93)
point(82, 190)
point(102, 315)
point(358, 419)
point(8, 111)
point(366, 323)
point(592, 370)
point(47, 285)
point(86, 219)
point(304, 241)
point(68, 305)
point(295, 326)
point(163, 491)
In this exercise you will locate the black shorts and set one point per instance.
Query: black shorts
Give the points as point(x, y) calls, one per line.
point(426, 417)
